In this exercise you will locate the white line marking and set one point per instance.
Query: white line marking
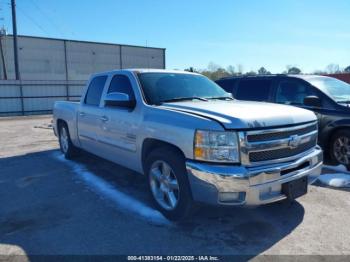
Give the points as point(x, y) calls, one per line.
point(102, 187)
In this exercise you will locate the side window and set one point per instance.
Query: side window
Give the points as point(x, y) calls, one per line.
point(292, 92)
point(254, 90)
point(226, 84)
point(95, 90)
point(121, 84)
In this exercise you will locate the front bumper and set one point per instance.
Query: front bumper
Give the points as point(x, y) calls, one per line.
point(252, 185)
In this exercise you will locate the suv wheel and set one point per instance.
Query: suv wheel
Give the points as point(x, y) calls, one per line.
point(168, 183)
point(66, 145)
point(340, 148)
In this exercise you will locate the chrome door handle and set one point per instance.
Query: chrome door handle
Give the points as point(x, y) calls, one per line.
point(104, 119)
point(81, 113)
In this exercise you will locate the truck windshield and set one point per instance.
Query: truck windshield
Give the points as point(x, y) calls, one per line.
point(336, 89)
point(159, 88)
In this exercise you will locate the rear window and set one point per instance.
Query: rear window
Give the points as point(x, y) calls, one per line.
point(253, 90)
point(95, 90)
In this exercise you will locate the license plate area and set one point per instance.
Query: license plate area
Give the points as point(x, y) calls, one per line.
point(296, 188)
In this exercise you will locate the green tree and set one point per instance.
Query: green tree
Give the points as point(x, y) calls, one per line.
point(262, 71)
point(347, 69)
point(293, 70)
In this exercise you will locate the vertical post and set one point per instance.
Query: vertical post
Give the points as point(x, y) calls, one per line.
point(3, 58)
point(164, 61)
point(15, 46)
point(66, 69)
point(120, 57)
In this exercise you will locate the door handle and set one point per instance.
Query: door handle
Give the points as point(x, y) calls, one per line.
point(104, 119)
point(81, 113)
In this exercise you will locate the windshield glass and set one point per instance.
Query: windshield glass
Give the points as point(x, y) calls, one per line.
point(165, 87)
point(336, 89)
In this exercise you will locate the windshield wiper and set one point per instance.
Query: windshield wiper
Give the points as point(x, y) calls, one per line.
point(344, 102)
point(221, 98)
point(177, 99)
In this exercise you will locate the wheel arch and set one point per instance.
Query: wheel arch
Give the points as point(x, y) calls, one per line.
point(150, 144)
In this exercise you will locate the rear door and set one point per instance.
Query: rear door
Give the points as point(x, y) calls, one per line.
point(90, 113)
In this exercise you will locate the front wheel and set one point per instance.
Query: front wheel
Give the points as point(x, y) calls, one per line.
point(340, 148)
point(168, 183)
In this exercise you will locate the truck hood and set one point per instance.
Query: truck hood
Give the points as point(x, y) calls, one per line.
point(244, 115)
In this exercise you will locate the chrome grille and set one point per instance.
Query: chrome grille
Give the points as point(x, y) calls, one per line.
point(281, 135)
point(277, 145)
point(280, 153)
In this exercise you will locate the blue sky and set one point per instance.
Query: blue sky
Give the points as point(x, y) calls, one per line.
point(308, 34)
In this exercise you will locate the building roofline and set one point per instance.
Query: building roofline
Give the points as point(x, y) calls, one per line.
point(87, 42)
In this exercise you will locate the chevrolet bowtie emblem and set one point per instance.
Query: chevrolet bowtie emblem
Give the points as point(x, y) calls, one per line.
point(294, 141)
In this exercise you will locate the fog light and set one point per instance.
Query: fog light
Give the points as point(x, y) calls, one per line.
point(231, 197)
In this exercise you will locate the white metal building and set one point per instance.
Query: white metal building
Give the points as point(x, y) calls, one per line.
point(56, 69)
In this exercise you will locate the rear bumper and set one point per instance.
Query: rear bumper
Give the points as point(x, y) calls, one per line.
point(239, 185)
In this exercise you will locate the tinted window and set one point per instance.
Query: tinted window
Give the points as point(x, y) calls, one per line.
point(95, 90)
point(226, 84)
point(121, 84)
point(292, 92)
point(254, 90)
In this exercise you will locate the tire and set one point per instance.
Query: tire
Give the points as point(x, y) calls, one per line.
point(67, 148)
point(168, 183)
point(339, 148)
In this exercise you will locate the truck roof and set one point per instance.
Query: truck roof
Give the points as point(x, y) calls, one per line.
point(146, 70)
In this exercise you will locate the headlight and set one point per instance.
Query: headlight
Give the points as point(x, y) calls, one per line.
point(216, 146)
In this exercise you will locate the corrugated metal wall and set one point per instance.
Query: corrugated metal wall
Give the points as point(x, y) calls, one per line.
point(54, 69)
point(29, 97)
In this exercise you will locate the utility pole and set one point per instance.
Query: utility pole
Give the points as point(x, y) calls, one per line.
point(15, 46)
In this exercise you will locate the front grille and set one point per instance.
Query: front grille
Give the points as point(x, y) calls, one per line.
point(276, 145)
point(281, 153)
point(281, 135)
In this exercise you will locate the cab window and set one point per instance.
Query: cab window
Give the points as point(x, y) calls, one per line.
point(95, 89)
point(121, 84)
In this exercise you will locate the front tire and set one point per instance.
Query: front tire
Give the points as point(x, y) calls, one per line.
point(66, 145)
point(340, 148)
point(168, 183)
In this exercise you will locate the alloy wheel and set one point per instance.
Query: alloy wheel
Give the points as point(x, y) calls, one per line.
point(164, 185)
point(341, 150)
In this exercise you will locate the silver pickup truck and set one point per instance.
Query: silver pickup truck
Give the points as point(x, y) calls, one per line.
point(192, 140)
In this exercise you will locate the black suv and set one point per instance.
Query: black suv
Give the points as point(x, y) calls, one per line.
point(328, 97)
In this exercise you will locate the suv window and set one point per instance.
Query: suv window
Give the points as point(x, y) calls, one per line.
point(121, 84)
point(95, 90)
point(292, 92)
point(254, 90)
point(227, 84)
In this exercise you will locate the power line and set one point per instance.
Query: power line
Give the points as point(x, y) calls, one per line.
point(33, 21)
point(48, 18)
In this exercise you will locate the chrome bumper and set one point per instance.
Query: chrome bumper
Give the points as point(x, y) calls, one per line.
point(252, 185)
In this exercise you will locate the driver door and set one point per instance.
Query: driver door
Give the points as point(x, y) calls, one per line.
point(120, 125)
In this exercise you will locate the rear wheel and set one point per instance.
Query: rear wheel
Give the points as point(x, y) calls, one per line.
point(66, 145)
point(168, 183)
point(340, 148)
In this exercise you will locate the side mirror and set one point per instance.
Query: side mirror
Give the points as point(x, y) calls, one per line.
point(312, 101)
point(119, 100)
